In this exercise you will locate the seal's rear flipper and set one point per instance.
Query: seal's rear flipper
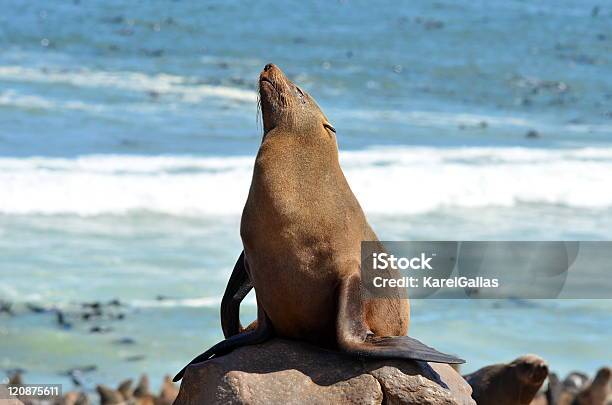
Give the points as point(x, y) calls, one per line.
point(400, 347)
point(354, 338)
point(260, 334)
point(237, 288)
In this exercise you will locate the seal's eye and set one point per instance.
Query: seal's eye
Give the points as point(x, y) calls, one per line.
point(328, 126)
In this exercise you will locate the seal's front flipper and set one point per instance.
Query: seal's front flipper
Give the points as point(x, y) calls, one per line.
point(237, 288)
point(353, 336)
point(260, 334)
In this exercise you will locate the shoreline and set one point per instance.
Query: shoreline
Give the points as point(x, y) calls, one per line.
point(113, 346)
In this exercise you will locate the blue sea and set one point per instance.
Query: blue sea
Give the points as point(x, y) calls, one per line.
point(128, 132)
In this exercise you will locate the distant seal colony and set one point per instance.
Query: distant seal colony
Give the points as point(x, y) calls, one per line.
point(301, 230)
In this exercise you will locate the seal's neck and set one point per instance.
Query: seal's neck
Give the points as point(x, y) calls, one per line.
point(299, 152)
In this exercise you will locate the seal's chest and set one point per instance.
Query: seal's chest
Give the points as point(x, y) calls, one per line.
point(288, 199)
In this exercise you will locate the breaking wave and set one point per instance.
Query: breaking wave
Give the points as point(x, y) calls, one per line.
point(391, 181)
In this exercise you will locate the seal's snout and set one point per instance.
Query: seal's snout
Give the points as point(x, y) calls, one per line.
point(273, 84)
point(281, 101)
point(532, 369)
point(538, 369)
point(540, 372)
point(273, 95)
point(271, 73)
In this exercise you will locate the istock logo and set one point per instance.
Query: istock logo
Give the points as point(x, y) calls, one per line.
point(487, 269)
point(383, 261)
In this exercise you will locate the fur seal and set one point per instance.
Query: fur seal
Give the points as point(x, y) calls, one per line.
point(141, 395)
point(514, 383)
point(564, 392)
point(578, 389)
point(598, 391)
point(302, 229)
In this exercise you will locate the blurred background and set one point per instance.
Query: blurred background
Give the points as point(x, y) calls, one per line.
point(128, 132)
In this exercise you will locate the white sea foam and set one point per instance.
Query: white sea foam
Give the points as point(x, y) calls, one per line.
point(165, 84)
point(386, 181)
point(10, 98)
point(444, 119)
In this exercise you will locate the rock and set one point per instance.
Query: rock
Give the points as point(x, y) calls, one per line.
point(136, 357)
point(6, 307)
point(61, 320)
point(125, 341)
point(81, 369)
point(100, 329)
point(93, 305)
point(37, 309)
point(399, 388)
point(281, 371)
point(76, 374)
point(115, 302)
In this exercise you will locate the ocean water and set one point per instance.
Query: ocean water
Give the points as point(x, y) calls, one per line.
point(128, 133)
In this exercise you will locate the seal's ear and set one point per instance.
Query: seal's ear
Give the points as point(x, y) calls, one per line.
point(328, 126)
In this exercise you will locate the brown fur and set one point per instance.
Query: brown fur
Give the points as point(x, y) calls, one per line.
point(302, 226)
point(515, 383)
point(169, 391)
point(598, 391)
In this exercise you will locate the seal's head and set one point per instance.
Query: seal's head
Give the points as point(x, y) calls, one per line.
point(599, 391)
point(289, 108)
point(530, 369)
